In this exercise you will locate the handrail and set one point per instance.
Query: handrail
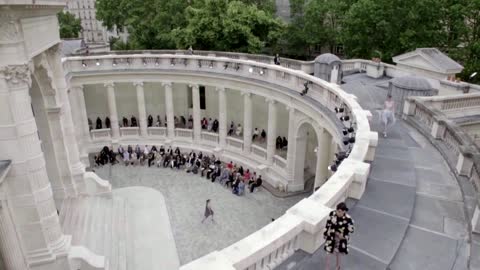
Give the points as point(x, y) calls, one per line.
point(262, 247)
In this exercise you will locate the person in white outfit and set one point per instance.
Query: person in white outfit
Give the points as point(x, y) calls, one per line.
point(388, 114)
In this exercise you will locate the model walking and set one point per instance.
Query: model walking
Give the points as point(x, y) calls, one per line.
point(388, 114)
point(208, 211)
point(337, 233)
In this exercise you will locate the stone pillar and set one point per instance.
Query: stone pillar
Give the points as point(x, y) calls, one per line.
point(197, 127)
point(222, 116)
point(112, 107)
point(169, 109)
point(247, 122)
point(291, 144)
point(272, 130)
point(28, 187)
point(476, 220)
point(9, 242)
point(142, 113)
point(323, 156)
point(83, 118)
point(76, 166)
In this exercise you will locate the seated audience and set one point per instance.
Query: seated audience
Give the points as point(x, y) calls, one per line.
point(257, 183)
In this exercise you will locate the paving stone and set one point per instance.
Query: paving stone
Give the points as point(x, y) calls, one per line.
point(396, 152)
point(455, 228)
point(439, 177)
point(377, 234)
point(394, 171)
point(352, 261)
point(451, 193)
point(391, 198)
point(425, 250)
point(429, 212)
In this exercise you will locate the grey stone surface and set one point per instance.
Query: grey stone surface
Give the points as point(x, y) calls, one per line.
point(396, 152)
point(393, 170)
point(376, 233)
point(387, 197)
point(4, 165)
point(185, 195)
point(425, 250)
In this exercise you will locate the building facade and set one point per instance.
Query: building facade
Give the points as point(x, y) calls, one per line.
point(93, 30)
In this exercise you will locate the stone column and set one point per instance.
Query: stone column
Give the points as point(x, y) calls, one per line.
point(169, 109)
point(112, 107)
point(291, 144)
point(222, 116)
point(9, 242)
point(272, 130)
point(323, 156)
point(29, 191)
point(142, 113)
point(83, 117)
point(247, 122)
point(197, 127)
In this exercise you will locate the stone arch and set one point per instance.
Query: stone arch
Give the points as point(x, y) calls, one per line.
point(305, 154)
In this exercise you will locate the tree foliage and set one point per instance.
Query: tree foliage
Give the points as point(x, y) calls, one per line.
point(70, 27)
point(227, 25)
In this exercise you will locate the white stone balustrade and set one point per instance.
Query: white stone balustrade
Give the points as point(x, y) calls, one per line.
point(210, 137)
point(157, 131)
point(129, 131)
point(300, 227)
point(100, 134)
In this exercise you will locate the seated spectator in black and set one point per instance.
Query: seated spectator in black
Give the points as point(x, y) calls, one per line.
point(150, 121)
point(216, 172)
point(256, 133)
point(98, 161)
point(190, 122)
point(231, 130)
point(200, 155)
point(253, 178)
point(237, 181)
point(278, 143)
point(130, 150)
point(231, 179)
point(151, 157)
point(210, 170)
point(159, 122)
point(134, 121)
point(138, 150)
point(99, 123)
point(240, 170)
point(90, 124)
point(154, 149)
point(169, 151)
point(166, 160)
point(264, 135)
point(107, 122)
point(162, 150)
point(215, 125)
point(125, 122)
point(184, 121)
point(177, 151)
point(284, 143)
point(112, 156)
point(257, 184)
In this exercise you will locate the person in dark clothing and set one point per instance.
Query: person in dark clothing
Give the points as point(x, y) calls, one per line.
point(184, 121)
point(125, 122)
point(150, 121)
point(278, 143)
point(215, 126)
point(107, 122)
point(276, 60)
point(257, 184)
point(284, 142)
point(133, 121)
point(263, 135)
point(99, 123)
point(151, 157)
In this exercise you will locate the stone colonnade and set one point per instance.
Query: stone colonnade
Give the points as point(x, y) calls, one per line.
point(323, 157)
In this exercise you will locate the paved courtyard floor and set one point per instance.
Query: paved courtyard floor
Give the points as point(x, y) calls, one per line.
point(185, 195)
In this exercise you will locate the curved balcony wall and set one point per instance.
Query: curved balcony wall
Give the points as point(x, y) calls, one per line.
point(301, 226)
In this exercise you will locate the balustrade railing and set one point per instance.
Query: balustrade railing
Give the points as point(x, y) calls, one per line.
point(157, 131)
point(279, 162)
point(210, 137)
point(100, 134)
point(271, 245)
point(184, 133)
point(259, 151)
point(235, 143)
point(129, 131)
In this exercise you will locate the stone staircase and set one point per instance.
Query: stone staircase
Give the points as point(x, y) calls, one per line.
point(99, 223)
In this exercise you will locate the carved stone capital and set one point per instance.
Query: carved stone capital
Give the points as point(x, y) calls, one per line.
point(245, 93)
point(220, 89)
point(270, 100)
point(167, 84)
point(138, 84)
point(17, 74)
point(109, 84)
point(194, 86)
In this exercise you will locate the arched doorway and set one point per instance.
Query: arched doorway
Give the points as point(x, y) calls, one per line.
point(306, 147)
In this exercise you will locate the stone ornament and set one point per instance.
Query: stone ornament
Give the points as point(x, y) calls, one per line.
point(17, 74)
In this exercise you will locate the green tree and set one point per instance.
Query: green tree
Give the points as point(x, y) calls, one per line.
point(228, 25)
point(70, 27)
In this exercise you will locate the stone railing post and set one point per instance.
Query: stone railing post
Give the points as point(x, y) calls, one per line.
point(438, 129)
point(464, 164)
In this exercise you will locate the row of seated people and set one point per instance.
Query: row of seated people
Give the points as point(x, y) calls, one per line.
point(230, 175)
